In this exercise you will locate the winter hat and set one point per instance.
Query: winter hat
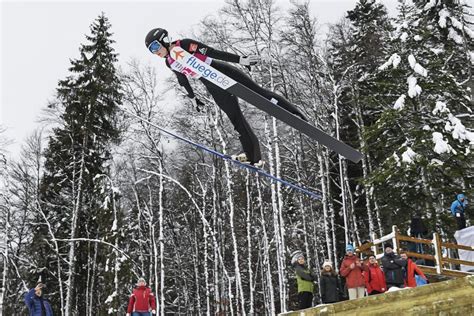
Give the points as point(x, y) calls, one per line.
point(141, 280)
point(327, 263)
point(295, 256)
point(40, 282)
point(349, 247)
point(387, 245)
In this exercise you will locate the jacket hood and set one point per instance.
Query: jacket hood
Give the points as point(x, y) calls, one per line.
point(461, 196)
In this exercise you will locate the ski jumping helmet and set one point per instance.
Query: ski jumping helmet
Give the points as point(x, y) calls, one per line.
point(158, 35)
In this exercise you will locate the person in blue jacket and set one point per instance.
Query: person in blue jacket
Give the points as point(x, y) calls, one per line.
point(37, 305)
point(458, 208)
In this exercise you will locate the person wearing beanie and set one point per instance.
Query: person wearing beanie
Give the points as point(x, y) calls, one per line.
point(458, 210)
point(351, 269)
point(304, 280)
point(392, 266)
point(36, 303)
point(142, 300)
point(329, 285)
point(374, 277)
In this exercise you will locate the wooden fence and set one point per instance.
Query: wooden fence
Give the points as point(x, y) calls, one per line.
point(443, 264)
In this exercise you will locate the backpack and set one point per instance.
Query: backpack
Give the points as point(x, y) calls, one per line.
point(420, 281)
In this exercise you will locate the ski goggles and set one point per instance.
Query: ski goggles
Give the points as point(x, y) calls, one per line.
point(154, 46)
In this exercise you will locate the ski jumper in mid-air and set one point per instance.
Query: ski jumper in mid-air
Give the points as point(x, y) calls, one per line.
point(158, 43)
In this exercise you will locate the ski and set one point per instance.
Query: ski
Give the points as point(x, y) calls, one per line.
point(240, 164)
point(190, 65)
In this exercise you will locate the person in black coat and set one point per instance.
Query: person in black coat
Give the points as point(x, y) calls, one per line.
point(329, 286)
point(392, 266)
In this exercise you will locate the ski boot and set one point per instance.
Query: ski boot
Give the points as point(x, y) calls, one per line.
point(244, 159)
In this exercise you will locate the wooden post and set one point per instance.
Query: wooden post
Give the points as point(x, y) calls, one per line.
point(374, 247)
point(395, 241)
point(438, 253)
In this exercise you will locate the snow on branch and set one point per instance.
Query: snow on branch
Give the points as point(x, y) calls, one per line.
point(443, 17)
point(419, 69)
point(440, 107)
point(459, 131)
point(413, 88)
point(430, 5)
point(409, 156)
point(453, 34)
point(441, 146)
point(400, 103)
point(394, 60)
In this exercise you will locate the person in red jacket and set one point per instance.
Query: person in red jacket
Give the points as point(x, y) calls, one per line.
point(142, 300)
point(374, 277)
point(351, 269)
point(410, 271)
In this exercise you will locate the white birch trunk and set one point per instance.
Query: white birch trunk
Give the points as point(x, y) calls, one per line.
point(324, 189)
point(276, 221)
point(266, 256)
point(365, 173)
point(249, 244)
point(350, 198)
point(230, 200)
point(72, 253)
point(161, 300)
point(332, 212)
point(5, 208)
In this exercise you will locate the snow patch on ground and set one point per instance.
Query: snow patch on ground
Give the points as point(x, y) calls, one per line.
point(413, 88)
point(417, 38)
point(426, 128)
point(400, 103)
point(395, 289)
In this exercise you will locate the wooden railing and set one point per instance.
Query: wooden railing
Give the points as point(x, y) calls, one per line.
point(441, 262)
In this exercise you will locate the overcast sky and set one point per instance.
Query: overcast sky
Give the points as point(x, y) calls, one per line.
point(39, 38)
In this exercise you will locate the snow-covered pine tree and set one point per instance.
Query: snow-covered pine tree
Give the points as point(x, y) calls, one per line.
point(356, 47)
point(78, 153)
point(422, 140)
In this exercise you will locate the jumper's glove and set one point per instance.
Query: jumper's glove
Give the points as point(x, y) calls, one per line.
point(153, 312)
point(197, 103)
point(249, 60)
